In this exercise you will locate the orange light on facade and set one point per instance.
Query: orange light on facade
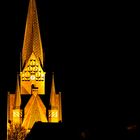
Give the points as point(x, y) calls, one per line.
point(31, 82)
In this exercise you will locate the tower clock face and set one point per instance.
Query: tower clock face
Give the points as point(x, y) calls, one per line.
point(32, 77)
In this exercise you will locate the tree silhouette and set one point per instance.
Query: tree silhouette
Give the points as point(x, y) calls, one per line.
point(16, 132)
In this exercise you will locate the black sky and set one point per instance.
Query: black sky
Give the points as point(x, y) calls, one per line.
point(91, 48)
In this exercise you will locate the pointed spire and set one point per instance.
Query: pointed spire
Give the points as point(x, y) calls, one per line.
point(17, 95)
point(53, 92)
point(32, 39)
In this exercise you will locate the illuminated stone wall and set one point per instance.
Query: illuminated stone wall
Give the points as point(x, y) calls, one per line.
point(31, 81)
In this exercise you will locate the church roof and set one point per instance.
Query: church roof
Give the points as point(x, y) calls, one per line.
point(32, 39)
point(34, 111)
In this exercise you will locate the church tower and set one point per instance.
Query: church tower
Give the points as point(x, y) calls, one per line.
point(17, 112)
point(55, 111)
point(31, 81)
point(32, 73)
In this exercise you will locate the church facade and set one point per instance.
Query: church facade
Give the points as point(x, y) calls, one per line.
point(31, 82)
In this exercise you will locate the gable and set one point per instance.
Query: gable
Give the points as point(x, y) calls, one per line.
point(33, 63)
point(32, 74)
point(32, 67)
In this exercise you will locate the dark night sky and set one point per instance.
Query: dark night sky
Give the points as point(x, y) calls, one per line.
point(91, 50)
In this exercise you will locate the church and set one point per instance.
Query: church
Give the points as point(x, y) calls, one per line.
point(26, 106)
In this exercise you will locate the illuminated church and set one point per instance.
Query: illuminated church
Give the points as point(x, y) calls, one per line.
point(31, 81)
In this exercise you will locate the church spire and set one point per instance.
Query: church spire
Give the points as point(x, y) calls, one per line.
point(53, 92)
point(32, 39)
point(55, 111)
point(17, 95)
